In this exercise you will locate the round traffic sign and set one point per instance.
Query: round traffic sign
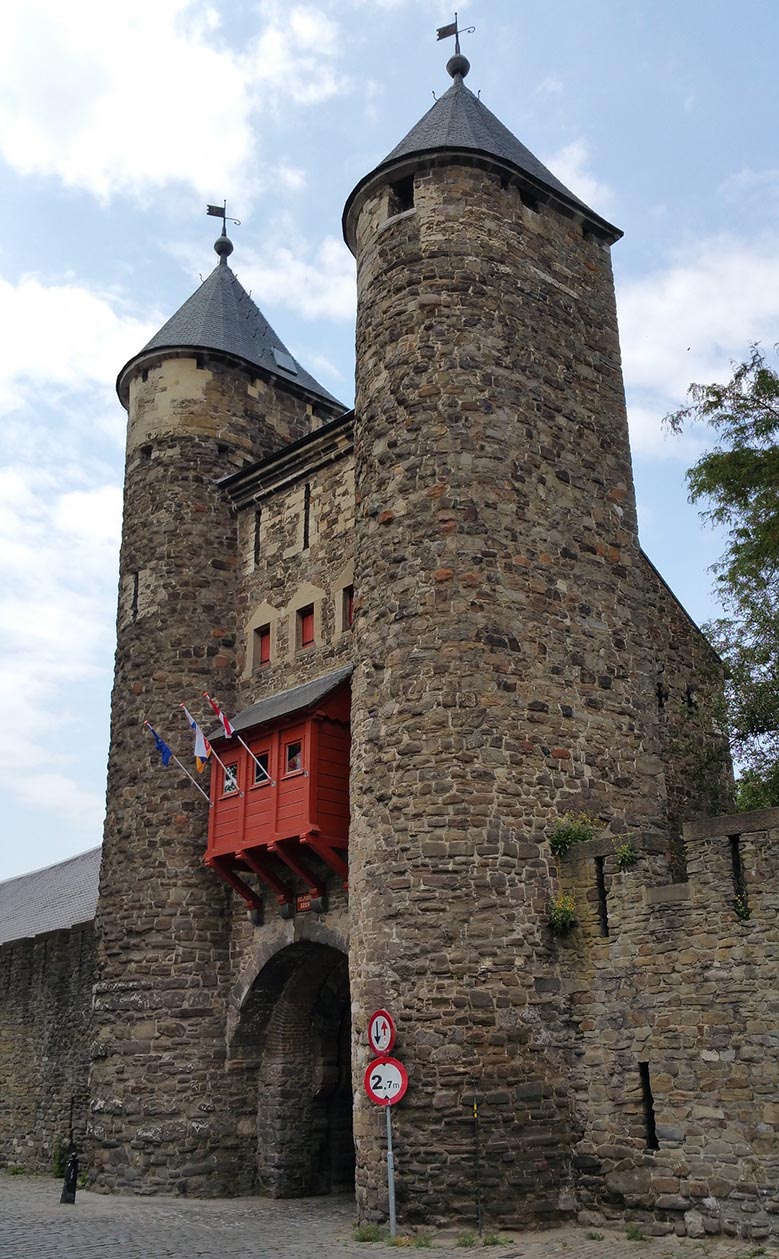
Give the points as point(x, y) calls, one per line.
point(386, 1081)
point(381, 1032)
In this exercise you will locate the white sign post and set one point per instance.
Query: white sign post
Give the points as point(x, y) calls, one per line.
point(385, 1082)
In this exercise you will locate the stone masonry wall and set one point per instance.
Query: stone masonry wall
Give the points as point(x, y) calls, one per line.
point(503, 670)
point(689, 987)
point(689, 687)
point(45, 1031)
point(162, 1103)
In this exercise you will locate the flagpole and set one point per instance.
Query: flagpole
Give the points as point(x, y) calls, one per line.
point(215, 755)
point(194, 781)
point(173, 757)
point(236, 735)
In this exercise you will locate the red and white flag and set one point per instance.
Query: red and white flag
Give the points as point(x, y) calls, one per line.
point(226, 723)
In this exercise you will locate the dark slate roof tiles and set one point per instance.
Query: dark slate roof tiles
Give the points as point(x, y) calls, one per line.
point(50, 900)
point(286, 702)
point(220, 315)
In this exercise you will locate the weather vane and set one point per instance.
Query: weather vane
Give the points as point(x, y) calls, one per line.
point(444, 32)
point(220, 212)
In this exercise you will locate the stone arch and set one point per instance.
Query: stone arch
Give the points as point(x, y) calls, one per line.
point(295, 1027)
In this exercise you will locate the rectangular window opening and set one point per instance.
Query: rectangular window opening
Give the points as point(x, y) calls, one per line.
point(257, 527)
point(230, 779)
point(293, 757)
point(306, 626)
point(603, 907)
point(134, 603)
point(650, 1125)
point(307, 516)
point(402, 195)
point(348, 607)
point(737, 867)
point(262, 647)
point(262, 770)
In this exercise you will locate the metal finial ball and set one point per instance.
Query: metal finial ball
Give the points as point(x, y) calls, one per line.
point(458, 64)
point(223, 246)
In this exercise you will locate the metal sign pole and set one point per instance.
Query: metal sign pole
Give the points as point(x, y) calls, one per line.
point(390, 1173)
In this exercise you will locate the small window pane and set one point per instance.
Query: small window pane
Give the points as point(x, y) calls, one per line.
point(261, 779)
point(306, 626)
point(231, 779)
point(294, 757)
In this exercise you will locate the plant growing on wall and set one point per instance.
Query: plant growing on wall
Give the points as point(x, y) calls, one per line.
point(625, 854)
point(571, 829)
point(561, 913)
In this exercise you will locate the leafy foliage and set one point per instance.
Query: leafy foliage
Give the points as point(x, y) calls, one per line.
point(739, 480)
point(572, 828)
point(625, 855)
point(561, 913)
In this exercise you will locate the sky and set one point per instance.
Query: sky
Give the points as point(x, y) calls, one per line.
point(119, 123)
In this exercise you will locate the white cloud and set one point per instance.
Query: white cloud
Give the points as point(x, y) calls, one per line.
point(62, 336)
point(154, 92)
point(550, 86)
point(570, 165)
point(687, 321)
point(317, 283)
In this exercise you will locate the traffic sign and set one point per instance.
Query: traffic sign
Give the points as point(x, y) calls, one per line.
point(386, 1081)
point(381, 1032)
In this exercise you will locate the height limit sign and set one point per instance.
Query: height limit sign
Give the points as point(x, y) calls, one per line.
point(385, 1082)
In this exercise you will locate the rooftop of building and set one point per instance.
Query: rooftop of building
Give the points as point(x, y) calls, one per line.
point(52, 899)
point(221, 316)
point(460, 123)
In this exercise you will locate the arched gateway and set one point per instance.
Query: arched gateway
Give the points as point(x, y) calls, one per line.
point(295, 1022)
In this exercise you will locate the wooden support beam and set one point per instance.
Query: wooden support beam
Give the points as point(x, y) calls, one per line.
point(328, 855)
point(235, 882)
point(261, 868)
point(282, 848)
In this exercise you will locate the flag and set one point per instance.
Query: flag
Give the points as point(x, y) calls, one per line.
point(161, 746)
point(216, 210)
point(202, 746)
point(227, 725)
point(444, 32)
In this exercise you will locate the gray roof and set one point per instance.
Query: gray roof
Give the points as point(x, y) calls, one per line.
point(286, 702)
point(220, 315)
point(50, 900)
point(460, 121)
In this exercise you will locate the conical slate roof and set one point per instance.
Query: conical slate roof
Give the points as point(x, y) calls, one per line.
point(459, 121)
point(220, 315)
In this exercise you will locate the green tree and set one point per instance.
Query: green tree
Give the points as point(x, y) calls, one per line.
point(738, 480)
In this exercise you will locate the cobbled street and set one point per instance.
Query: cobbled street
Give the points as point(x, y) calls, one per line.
point(33, 1225)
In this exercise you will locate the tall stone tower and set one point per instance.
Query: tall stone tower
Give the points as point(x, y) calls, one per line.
point(214, 390)
point(502, 671)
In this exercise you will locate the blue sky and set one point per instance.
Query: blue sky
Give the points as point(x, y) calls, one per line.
point(118, 123)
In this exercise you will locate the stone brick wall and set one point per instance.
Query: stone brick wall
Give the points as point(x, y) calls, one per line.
point(45, 1033)
point(683, 984)
point(162, 1105)
point(689, 685)
point(503, 667)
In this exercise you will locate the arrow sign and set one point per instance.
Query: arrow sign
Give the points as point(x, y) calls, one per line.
point(381, 1032)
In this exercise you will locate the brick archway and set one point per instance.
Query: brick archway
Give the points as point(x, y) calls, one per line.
point(296, 1019)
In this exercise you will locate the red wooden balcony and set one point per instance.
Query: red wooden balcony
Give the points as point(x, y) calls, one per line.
point(283, 795)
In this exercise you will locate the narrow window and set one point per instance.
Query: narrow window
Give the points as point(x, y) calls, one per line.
point(222, 449)
point(348, 607)
point(307, 516)
point(739, 882)
point(690, 698)
point(306, 626)
point(293, 757)
point(650, 1126)
point(145, 374)
point(402, 195)
point(600, 883)
point(257, 527)
point(261, 769)
point(230, 779)
point(146, 453)
point(262, 646)
point(134, 602)
point(200, 361)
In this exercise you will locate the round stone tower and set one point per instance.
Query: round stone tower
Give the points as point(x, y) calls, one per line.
point(502, 673)
point(212, 391)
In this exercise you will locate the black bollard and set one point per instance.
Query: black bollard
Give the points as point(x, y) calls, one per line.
point(71, 1179)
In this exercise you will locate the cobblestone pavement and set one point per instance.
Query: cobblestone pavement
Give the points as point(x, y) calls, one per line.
point(33, 1225)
